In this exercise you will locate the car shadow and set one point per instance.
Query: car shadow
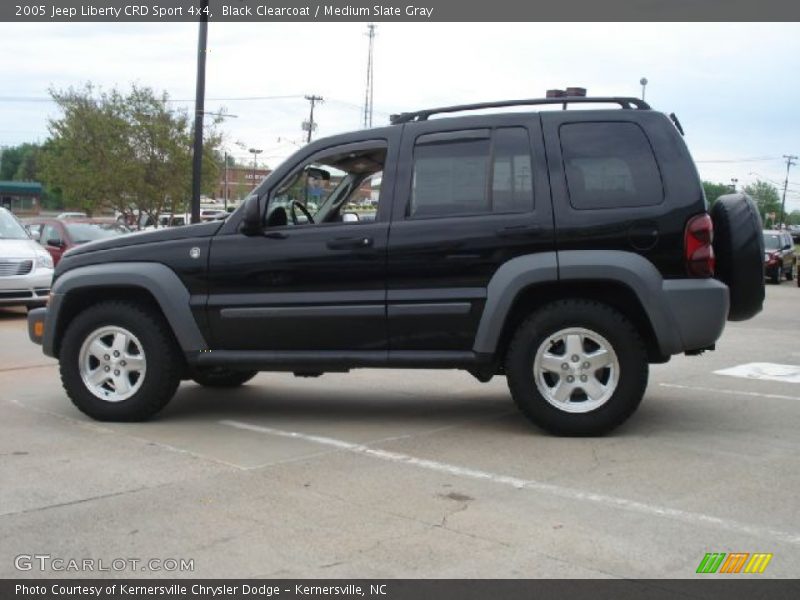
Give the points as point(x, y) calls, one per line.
point(486, 409)
point(13, 313)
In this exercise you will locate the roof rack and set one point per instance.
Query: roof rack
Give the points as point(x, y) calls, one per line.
point(422, 115)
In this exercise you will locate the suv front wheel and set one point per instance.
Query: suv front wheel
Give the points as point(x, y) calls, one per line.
point(577, 367)
point(119, 363)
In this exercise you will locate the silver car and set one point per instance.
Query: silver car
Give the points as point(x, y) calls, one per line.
point(26, 269)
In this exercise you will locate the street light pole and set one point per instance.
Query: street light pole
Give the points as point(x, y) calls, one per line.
point(255, 152)
point(200, 96)
point(643, 83)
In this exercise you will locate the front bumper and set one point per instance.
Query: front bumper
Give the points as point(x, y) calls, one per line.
point(26, 290)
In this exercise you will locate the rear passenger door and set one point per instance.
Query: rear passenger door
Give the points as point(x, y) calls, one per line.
point(470, 195)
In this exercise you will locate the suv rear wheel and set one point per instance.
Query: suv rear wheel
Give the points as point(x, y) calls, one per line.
point(577, 367)
point(119, 363)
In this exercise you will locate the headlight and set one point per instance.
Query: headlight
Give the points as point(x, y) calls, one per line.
point(44, 260)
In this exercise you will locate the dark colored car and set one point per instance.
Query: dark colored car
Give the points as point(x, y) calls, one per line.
point(59, 235)
point(565, 250)
point(779, 256)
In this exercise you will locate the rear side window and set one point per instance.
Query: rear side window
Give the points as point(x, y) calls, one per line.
point(609, 165)
point(512, 178)
point(472, 175)
point(450, 178)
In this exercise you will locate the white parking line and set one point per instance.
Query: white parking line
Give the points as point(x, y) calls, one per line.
point(728, 392)
point(692, 518)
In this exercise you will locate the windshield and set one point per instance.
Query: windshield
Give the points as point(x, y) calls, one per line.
point(88, 232)
point(772, 241)
point(10, 228)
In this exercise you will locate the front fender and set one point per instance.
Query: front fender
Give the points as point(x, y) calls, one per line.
point(157, 279)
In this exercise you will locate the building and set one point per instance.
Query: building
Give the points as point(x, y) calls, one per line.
point(21, 197)
point(241, 181)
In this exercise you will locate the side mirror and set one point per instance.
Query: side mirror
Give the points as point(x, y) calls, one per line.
point(251, 220)
point(350, 217)
point(318, 173)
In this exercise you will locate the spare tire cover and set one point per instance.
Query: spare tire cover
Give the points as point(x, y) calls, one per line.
point(739, 249)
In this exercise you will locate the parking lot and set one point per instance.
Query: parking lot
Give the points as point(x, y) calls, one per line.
point(409, 473)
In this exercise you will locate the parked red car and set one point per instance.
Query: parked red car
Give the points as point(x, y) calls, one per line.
point(59, 235)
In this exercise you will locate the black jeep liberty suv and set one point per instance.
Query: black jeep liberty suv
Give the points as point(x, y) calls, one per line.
point(564, 249)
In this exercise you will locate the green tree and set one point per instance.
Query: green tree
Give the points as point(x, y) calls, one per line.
point(768, 200)
point(130, 152)
point(715, 190)
point(19, 163)
point(793, 218)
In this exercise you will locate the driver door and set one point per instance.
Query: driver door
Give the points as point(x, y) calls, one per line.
point(303, 286)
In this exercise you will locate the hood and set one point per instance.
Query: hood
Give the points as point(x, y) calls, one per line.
point(18, 249)
point(148, 237)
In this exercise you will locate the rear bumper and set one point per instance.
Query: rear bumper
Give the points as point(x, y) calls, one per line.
point(698, 309)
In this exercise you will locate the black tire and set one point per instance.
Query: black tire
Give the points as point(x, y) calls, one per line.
point(599, 319)
point(220, 377)
point(162, 374)
point(739, 250)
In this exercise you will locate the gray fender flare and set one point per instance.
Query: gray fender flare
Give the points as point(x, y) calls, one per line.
point(504, 287)
point(627, 268)
point(165, 286)
point(636, 273)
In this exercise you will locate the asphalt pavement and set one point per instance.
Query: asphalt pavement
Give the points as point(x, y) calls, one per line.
point(381, 473)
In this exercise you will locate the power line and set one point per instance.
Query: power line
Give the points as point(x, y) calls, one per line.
point(739, 160)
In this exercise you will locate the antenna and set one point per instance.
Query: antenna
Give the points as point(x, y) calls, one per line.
point(370, 73)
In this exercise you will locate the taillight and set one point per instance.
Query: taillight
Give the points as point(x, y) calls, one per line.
point(698, 251)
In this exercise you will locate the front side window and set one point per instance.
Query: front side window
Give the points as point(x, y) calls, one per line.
point(341, 186)
point(491, 174)
point(609, 165)
point(51, 236)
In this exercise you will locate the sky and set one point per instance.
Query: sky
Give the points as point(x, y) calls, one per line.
point(733, 86)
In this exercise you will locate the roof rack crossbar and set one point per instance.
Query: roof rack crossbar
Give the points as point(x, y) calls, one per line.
point(422, 115)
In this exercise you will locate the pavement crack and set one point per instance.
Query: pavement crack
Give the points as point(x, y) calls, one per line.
point(80, 501)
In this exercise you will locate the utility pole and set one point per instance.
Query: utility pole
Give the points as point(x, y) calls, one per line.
point(225, 192)
point(309, 125)
point(199, 103)
point(789, 163)
point(370, 75)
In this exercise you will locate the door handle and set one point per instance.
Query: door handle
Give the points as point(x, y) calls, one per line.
point(276, 235)
point(350, 243)
point(516, 231)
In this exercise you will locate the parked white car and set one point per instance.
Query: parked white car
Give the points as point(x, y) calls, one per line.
point(26, 269)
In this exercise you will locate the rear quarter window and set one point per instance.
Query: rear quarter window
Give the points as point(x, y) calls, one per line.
point(609, 165)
